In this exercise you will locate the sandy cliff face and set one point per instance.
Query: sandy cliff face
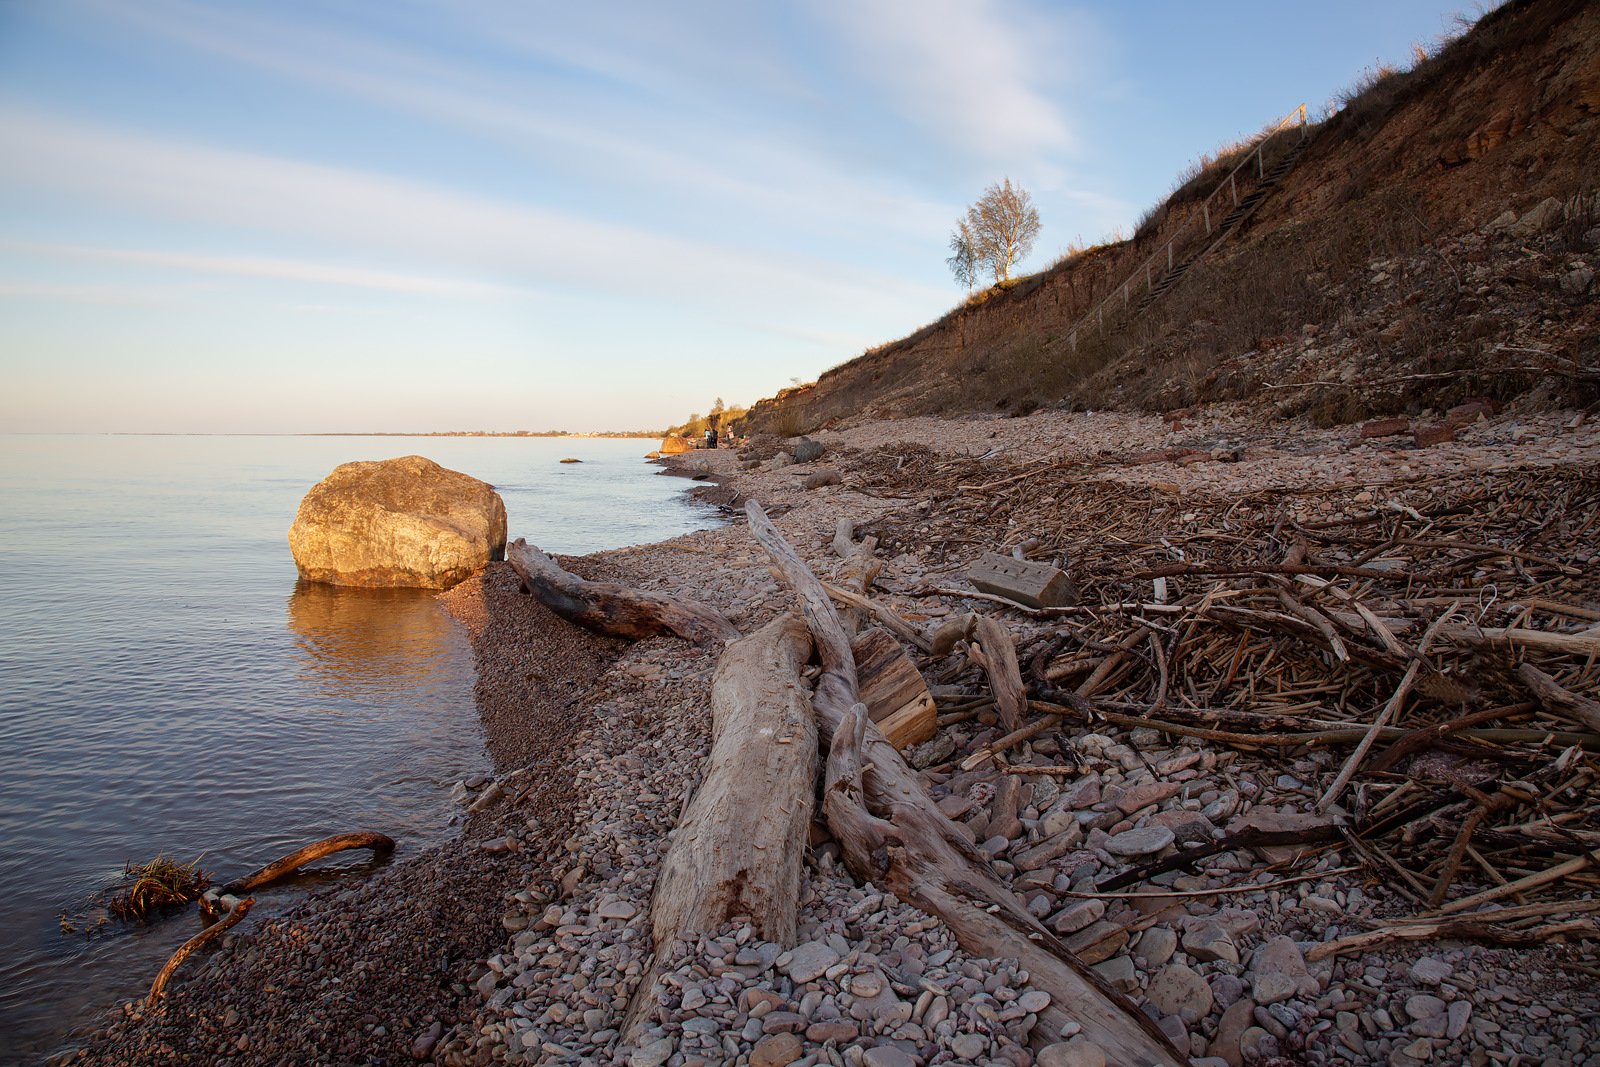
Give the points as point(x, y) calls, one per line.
point(1501, 120)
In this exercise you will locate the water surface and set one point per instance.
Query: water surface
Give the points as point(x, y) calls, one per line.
point(167, 686)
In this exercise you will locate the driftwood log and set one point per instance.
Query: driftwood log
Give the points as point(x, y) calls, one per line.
point(613, 609)
point(283, 868)
point(195, 944)
point(894, 691)
point(740, 844)
point(893, 835)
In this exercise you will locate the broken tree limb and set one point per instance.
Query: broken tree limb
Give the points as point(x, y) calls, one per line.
point(1523, 885)
point(1583, 643)
point(887, 617)
point(612, 609)
point(892, 834)
point(739, 846)
point(860, 570)
point(1559, 699)
point(283, 868)
point(994, 651)
point(1459, 929)
point(844, 533)
point(199, 941)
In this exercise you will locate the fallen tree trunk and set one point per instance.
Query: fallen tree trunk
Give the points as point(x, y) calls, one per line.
point(893, 835)
point(739, 847)
point(612, 609)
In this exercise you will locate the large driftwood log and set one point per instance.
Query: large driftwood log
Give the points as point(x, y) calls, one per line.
point(893, 835)
point(613, 609)
point(739, 847)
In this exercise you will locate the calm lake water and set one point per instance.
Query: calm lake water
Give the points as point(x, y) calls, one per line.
point(166, 686)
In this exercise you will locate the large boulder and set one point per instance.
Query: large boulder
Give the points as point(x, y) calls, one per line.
point(397, 522)
point(674, 445)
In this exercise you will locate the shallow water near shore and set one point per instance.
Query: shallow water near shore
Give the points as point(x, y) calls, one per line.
point(167, 686)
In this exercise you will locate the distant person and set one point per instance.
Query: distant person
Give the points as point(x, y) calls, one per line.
point(711, 438)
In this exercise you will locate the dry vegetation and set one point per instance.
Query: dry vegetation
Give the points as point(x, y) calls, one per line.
point(157, 886)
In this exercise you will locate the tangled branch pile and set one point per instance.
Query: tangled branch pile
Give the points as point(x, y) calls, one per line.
point(1426, 661)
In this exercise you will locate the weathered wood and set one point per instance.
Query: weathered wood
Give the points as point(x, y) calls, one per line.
point(1558, 699)
point(844, 532)
point(612, 609)
point(893, 690)
point(995, 651)
point(1583, 643)
point(739, 846)
point(328, 846)
point(885, 616)
point(860, 570)
point(1038, 585)
point(943, 637)
point(892, 834)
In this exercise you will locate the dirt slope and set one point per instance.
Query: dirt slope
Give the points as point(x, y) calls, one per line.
point(1378, 255)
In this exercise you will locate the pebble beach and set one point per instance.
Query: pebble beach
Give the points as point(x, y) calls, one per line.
point(524, 941)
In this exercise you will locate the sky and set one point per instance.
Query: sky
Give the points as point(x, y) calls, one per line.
point(419, 215)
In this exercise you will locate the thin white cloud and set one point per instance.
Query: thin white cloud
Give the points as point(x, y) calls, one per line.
point(370, 217)
point(290, 270)
point(764, 179)
point(85, 294)
point(969, 70)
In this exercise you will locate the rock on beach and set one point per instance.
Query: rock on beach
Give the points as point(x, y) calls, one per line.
point(405, 522)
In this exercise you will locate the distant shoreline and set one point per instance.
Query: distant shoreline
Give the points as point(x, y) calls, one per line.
point(642, 435)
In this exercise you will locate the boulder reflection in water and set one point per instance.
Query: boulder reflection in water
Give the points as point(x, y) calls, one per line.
point(366, 643)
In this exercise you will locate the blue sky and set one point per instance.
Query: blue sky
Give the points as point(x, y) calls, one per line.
point(485, 214)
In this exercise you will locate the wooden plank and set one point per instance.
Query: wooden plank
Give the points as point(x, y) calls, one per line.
point(897, 698)
point(1038, 585)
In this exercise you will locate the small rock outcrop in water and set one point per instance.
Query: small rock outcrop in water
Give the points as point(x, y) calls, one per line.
point(673, 445)
point(397, 522)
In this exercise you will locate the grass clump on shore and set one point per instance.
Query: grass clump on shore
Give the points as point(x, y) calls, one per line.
point(155, 886)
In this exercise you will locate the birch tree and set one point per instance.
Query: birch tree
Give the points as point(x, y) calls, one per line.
point(995, 233)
